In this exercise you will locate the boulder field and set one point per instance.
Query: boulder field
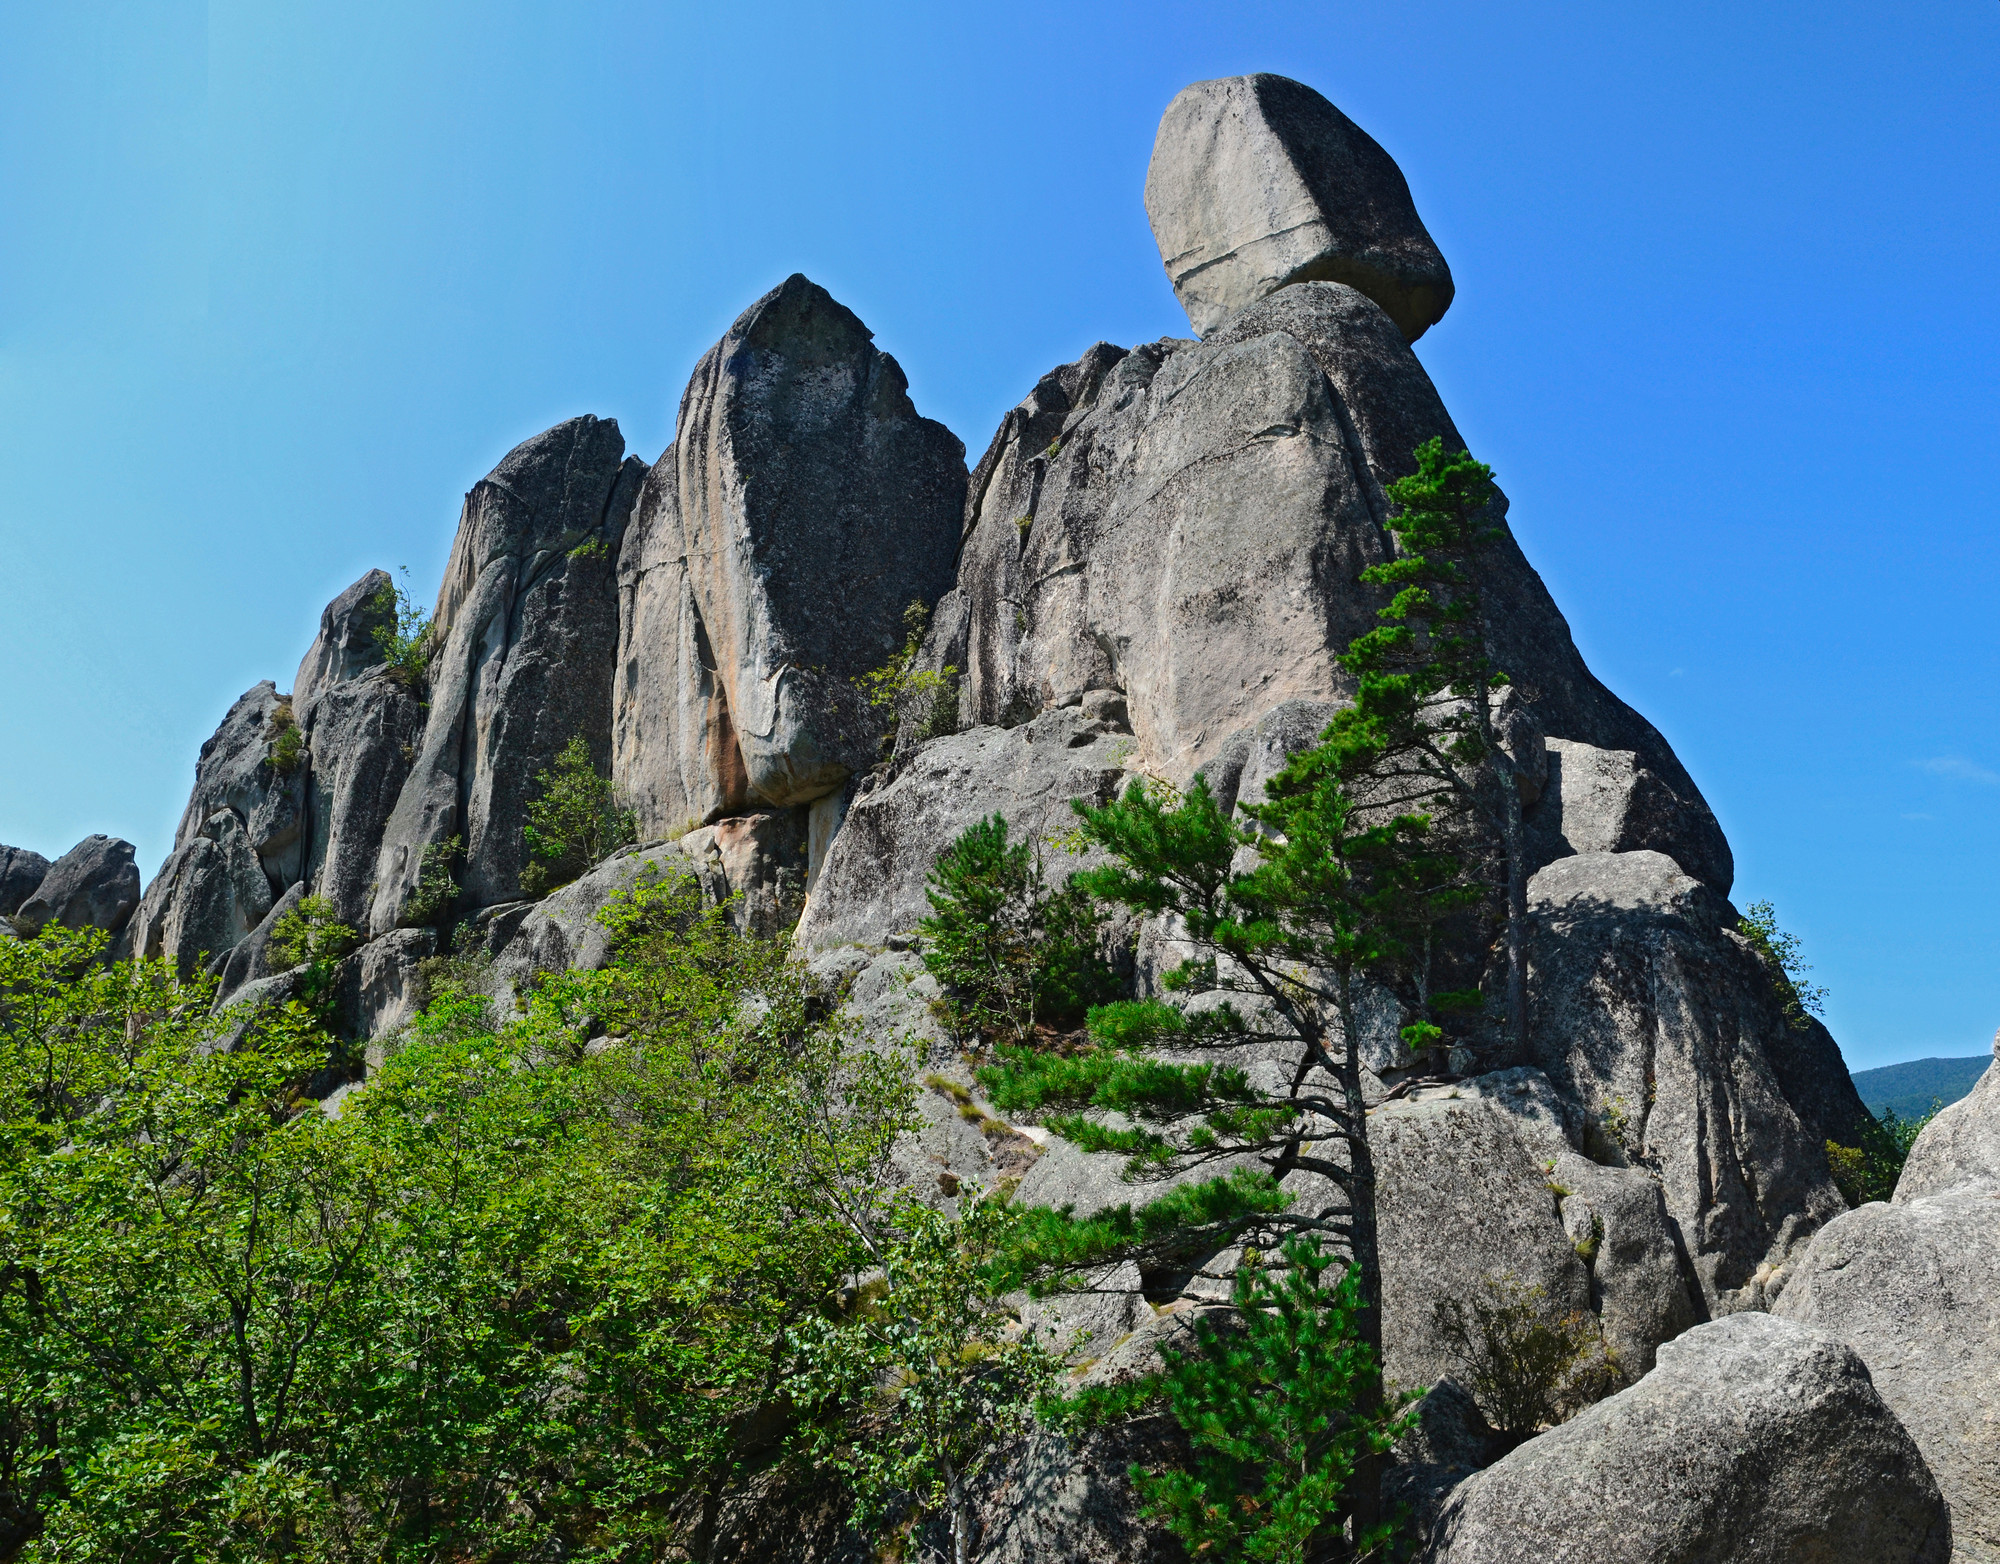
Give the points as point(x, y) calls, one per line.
point(1149, 573)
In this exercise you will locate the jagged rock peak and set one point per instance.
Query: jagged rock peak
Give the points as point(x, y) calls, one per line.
point(346, 645)
point(804, 504)
point(1258, 182)
point(95, 885)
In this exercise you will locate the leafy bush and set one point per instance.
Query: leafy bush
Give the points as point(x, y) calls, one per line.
point(573, 823)
point(1802, 1000)
point(437, 883)
point(519, 1299)
point(1009, 950)
point(404, 633)
point(1527, 1370)
point(1869, 1171)
point(925, 697)
point(288, 742)
point(312, 937)
point(916, 1383)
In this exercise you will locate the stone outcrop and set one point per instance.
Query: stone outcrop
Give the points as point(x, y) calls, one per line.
point(362, 735)
point(525, 631)
point(872, 885)
point(803, 506)
point(21, 873)
point(1755, 1441)
point(1661, 1028)
point(1257, 183)
point(207, 898)
point(237, 771)
point(1909, 1285)
point(95, 885)
point(346, 645)
point(1960, 1148)
point(1185, 524)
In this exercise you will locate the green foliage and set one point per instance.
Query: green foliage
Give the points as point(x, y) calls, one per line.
point(925, 697)
point(919, 1377)
point(311, 936)
point(288, 742)
point(1009, 949)
point(521, 1298)
point(404, 633)
point(574, 822)
point(1528, 1370)
point(1273, 1405)
point(437, 882)
point(1781, 953)
point(1869, 1171)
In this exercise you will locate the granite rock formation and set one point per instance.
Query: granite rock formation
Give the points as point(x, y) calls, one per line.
point(1909, 1285)
point(1755, 1441)
point(95, 885)
point(803, 506)
point(1258, 182)
point(21, 873)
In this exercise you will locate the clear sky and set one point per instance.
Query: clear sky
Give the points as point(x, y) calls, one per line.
point(279, 282)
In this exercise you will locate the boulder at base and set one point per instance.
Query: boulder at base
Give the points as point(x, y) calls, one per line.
point(1755, 1441)
point(1914, 1288)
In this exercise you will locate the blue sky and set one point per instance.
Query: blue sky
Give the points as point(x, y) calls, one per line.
point(278, 283)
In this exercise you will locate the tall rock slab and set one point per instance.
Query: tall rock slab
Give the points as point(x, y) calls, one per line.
point(1257, 182)
point(1186, 524)
point(1660, 1026)
point(239, 770)
point(525, 631)
point(95, 885)
point(803, 506)
point(347, 643)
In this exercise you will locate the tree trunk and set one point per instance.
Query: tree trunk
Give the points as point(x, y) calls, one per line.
point(961, 1522)
point(1365, 1488)
point(1513, 841)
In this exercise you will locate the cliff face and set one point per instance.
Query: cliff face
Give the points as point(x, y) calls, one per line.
point(1149, 572)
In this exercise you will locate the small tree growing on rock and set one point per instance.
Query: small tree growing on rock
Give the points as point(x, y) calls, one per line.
point(575, 823)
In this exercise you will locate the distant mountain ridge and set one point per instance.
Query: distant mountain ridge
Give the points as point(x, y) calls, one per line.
point(1911, 1087)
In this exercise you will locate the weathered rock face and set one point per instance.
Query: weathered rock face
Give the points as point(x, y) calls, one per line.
point(376, 989)
point(1258, 182)
point(1186, 524)
point(872, 885)
point(1661, 1027)
point(207, 898)
point(526, 629)
point(346, 646)
point(362, 735)
point(1755, 1441)
point(1960, 1148)
point(803, 506)
point(1460, 1201)
point(1910, 1287)
point(95, 885)
point(236, 772)
point(21, 871)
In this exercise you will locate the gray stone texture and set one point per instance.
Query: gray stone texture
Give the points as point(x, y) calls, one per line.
point(346, 646)
point(1755, 1441)
point(1910, 1286)
point(249, 960)
point(208, 896)
point(95, 885)
point(21, 873)
point(1460, 1201)
point(234, 772)
point(803, 506)
point(873, 883)
point(526, 629)
point(1960, 1148)
point(1661, 1027)
point(377, 988)
point(362, 734)
point(1257, 182)
point(1186, 523)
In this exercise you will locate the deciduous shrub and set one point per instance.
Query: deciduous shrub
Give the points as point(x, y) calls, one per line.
point(404, 633)
point(574, 822)
point(1527, 1368)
